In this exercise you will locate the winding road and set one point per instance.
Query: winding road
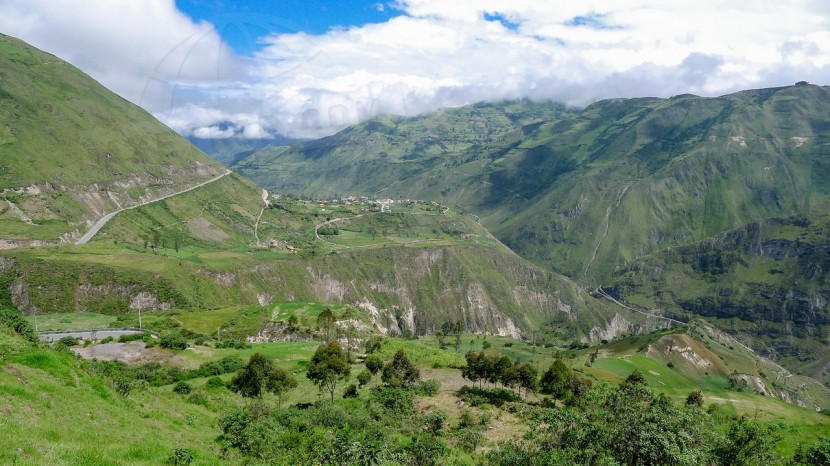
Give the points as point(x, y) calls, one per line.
point(106, 218)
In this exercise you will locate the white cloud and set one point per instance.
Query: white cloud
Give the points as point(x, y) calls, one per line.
point(437, 54)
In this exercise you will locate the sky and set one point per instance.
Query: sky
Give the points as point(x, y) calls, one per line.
point(309, 68)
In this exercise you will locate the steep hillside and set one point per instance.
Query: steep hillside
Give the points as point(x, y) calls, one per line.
point(416, 157)
point(71, 150)
point(585, 193)
point(701, 355)
point(766, 283)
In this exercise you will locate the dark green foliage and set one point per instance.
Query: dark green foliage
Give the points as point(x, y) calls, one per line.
point(481, 396)
point(350, 391)
point(613, 425)
point(260, 375)
point(182, 388)
point(394, 401)
point(181, 457)
point(233, 344)
point(817, 455)
point(13, 320)
point(173, 340)
point(342, 433)
point(747, 442)
point(435, 421)
point(425, 450)
point(400, 372)
point(695, 399)
point(328, 366)
point(373, 363)
point(214, 383)
point(429, 387)
point(364, 377)
point(556, 381)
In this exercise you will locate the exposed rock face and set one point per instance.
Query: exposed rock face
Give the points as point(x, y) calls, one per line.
point(277, 331)
point(147, 301)
point(617, 326)
point(327, 288)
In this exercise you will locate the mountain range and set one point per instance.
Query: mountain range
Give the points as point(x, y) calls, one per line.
point(532, 220)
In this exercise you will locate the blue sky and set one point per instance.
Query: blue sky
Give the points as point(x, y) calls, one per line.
point(240, 23)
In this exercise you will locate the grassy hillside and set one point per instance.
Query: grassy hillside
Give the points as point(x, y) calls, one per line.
point(584, 193)
point(71, 150)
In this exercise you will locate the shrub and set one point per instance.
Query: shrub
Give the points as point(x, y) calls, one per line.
point(173, 340)
point(468, 439)
point(182, 388)
point(350, 392)
point(396, 401)
point(198, 397)
point(108, 339)
point(180, 457)
point(434, 421)
point(428, 387)
point(214, 383)
point(373, 363)
point(15, 321)
point(234, 344)
point(695, 399)
point(364, 377)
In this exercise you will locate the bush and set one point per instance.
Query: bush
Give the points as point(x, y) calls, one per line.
point(480, 396)
point(350, 392)
point(373, 363)
point(198, 397)
point(214, 383)
point(468, 439)
point(435, 421)
point(180, 457)
point(132, 337)
point(364, 377)
point(182, 388)
point(173, 340)
point(15, 321)
point(234, 344)
point(108, 339)
point(396, 401)
point(67, 341)
point(428, 387)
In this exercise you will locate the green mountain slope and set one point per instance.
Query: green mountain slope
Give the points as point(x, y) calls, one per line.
point(584, 193)
point(401, 157)
point(194, 252)
point(765, 282)
point(71, 150)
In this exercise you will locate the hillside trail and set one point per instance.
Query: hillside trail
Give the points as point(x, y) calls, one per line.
point(611, 298)
point(106, 218)
point(607, 220)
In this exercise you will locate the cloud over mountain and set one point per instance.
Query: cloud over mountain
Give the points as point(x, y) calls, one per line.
point(434, 54)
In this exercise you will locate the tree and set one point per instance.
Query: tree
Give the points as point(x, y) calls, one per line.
point(261, 375)
point(556, 380)
point(695, 399)
point(327, 324)
point(373, 363)
point(400, 372)
point(364, 377)
point(526, 376)
point(328, 366)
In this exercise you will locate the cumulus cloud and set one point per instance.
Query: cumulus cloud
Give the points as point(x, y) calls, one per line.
point(436, 54)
